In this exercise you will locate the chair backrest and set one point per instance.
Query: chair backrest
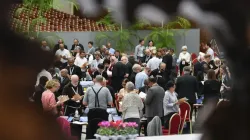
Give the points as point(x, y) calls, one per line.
point(65, 128)
point(92, 128)
point(174, 124)
point(193, 56)
point(154, 127)
point(182, 123)
point(185, 107)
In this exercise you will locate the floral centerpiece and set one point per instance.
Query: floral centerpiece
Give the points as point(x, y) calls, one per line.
point(116, 130)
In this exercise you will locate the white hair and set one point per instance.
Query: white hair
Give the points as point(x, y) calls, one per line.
point(184, 47)
point(130, 86)
point(135, 67)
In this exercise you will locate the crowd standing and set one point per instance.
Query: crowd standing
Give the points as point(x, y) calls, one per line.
point(166, 79)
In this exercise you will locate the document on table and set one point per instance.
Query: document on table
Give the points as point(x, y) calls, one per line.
point(83, 119)
point(143, 95)
point(80, 123)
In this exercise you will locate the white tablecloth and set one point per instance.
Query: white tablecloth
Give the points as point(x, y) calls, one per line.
point(173, 137)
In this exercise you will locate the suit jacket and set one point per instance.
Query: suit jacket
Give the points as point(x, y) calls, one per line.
point(187, 86)
point(161, 77)
point(56, 47)
point(76, 71)
point(154, 101)
point(146, 58)
point(39, 89)
point(73, 48)
point(168, 60)
point(211, 89)
point(129, 68)
point(197, 67)
point(63, 82)
point(118, 73)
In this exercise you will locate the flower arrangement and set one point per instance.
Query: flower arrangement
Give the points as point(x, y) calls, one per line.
point(113, 130)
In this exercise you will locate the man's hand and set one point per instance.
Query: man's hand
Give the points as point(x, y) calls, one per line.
point(126, 75)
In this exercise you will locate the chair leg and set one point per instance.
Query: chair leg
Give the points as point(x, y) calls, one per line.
point(191, 127)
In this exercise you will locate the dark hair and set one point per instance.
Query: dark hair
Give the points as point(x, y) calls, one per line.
point(43, 80)
point(172, 50)
point(100, 66)
point(200, 76)
point(141, 40)
point(90, 42)
point(52, 71)
point(152, 79)
point(82, 51)
point(125, 80)
point(211, 75)
point(151, 41)
point(208, 44)
point(169, 84)
point(117, 51)
point(106, 61)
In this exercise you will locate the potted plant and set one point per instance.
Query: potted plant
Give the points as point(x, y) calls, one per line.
point(116, 130)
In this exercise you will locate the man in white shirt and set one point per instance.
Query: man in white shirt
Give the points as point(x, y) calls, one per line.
point(184, 59)
point(96, 61)
point(81, 61)
point(139, 51)
point(154, 62)
point(210, 51)
point(64, 54)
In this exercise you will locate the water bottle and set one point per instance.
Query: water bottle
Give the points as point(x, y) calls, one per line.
point(77, 116)
point(110, 118)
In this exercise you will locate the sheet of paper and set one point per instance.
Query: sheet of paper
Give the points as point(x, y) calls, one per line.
point(109, 73)
point(77, 97)
point(83, 119)
point(117, 118)
point(79, 123)
point(63, 98)
point(142, 95)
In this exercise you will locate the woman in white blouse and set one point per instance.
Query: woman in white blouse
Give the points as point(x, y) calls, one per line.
point(184, 59)
point(131, 105)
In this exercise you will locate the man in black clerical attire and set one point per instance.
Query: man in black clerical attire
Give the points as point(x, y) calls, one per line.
point(56, 47)
point(161, 75)
point(205, 63)
point(71, 90)
point(73, 69)
point(118, 73)
point(168, 60)
point(63, 79)
point(39, 89)
point(76, 46)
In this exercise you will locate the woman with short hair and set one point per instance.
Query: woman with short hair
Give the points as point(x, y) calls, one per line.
point(48, 97)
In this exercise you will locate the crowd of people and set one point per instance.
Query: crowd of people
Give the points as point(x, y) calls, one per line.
point(167, 80)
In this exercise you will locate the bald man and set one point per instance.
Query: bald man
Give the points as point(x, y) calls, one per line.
point(147, 56)
point(73, 69)
point(71, 90)
point(128, 65)
point(63, 79)
point(56, 47)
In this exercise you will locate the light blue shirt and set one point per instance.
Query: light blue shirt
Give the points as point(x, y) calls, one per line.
point(112, 51)
point(169, 101)
point(139, 79)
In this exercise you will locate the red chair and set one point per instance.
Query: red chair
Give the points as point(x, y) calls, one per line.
point(193, 56)
point(194, 61)
point(65, 128)
point(182, 123)
point(174, 125)
point(186, 108)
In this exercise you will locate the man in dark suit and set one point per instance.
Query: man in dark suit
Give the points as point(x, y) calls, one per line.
point(161, 75)
point(187, 86)
point(118, 74)
point(71, 89)
point(147, 56)
point(39, 89)
point(128, 65)
point(168, 60)
point(76, 46)
point(154, 100)
point(63, 79)
point(73, 69)
point(56, 47)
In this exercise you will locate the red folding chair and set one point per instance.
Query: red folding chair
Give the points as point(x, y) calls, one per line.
point(182, 123)
point(186, 108)
point(174, 125)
